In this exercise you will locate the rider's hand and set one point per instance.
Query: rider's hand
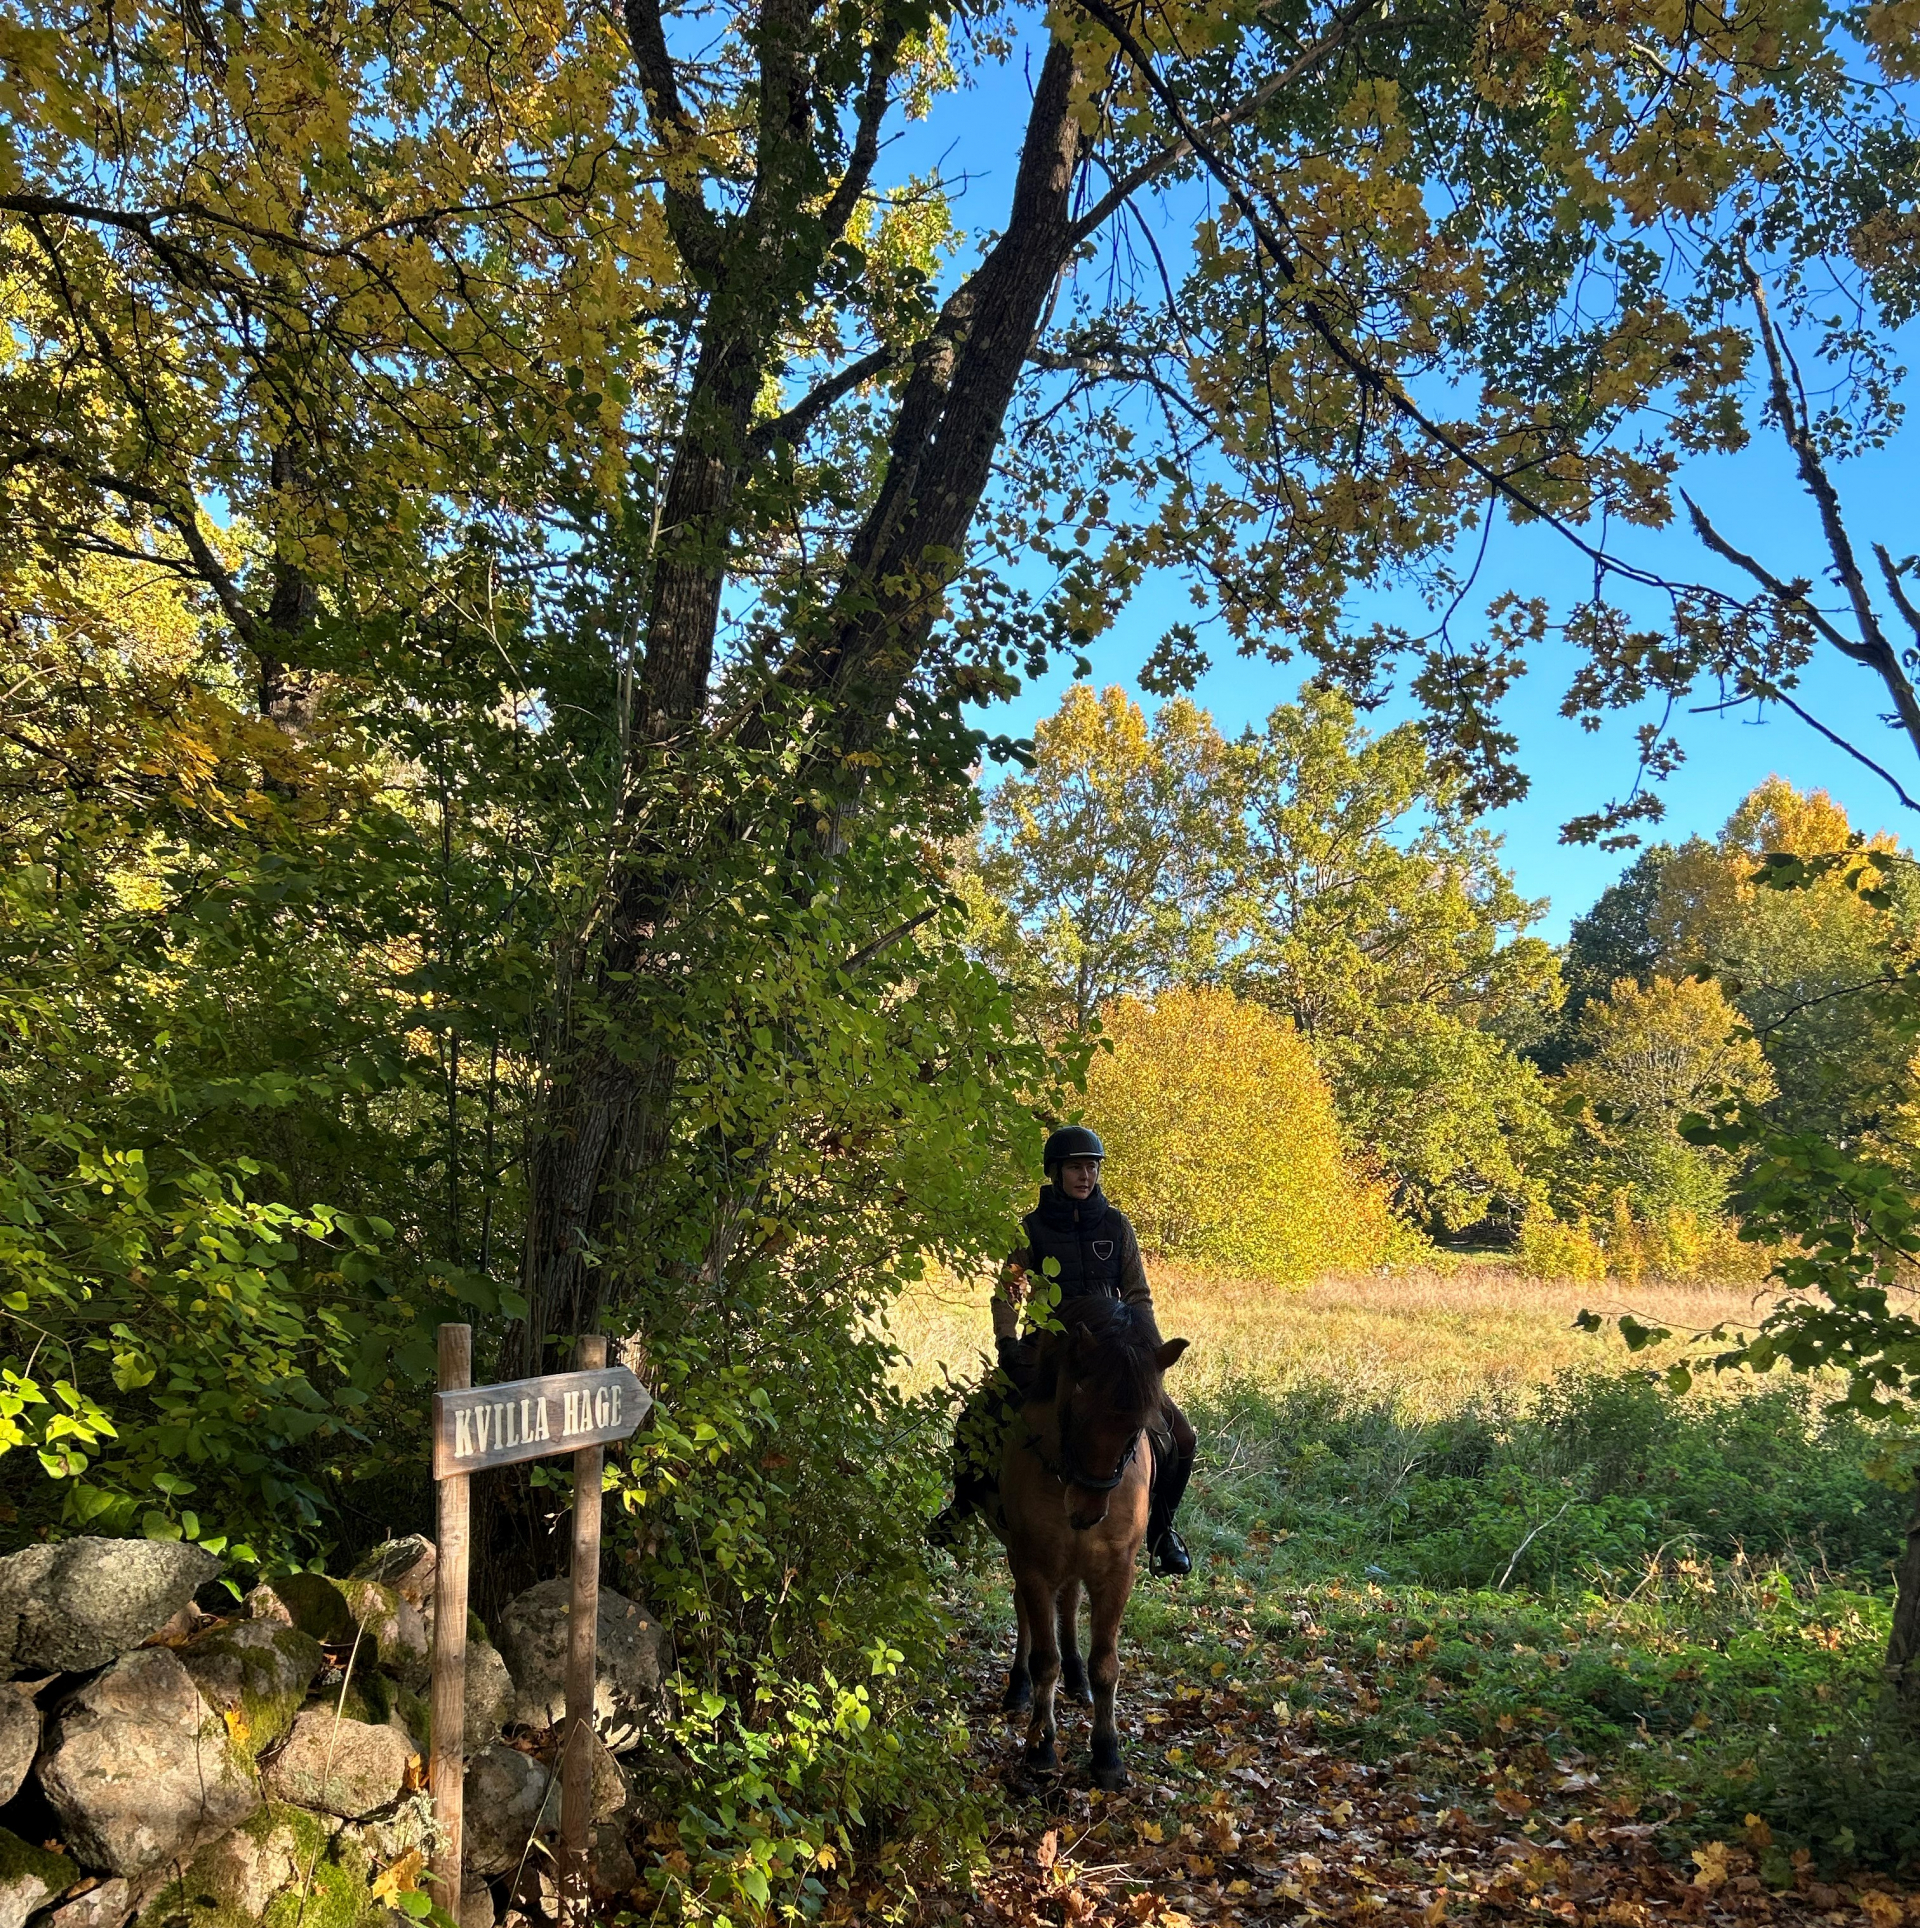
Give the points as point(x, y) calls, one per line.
point(1014, 1283)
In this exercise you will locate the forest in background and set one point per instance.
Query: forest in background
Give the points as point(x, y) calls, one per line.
point(508, 516)
point(1318, 882)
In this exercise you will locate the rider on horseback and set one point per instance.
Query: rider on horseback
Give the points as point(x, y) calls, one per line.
point(1093, 1250)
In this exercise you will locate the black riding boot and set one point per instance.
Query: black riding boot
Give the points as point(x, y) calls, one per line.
point(1166, 1550)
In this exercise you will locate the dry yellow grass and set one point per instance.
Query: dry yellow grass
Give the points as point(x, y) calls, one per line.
point(1427, 1341)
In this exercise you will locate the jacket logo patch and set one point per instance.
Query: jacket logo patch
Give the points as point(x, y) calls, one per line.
point(1102, 1249)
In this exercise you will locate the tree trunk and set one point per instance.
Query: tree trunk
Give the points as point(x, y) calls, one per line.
point(1903, 1643)
point(604, 1116)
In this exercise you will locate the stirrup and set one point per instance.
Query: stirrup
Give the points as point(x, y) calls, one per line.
point(1168, 1556)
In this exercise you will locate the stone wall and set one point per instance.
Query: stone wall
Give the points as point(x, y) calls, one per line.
point(166, 1763)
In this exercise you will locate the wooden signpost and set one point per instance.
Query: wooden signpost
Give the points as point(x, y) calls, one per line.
point(475, 1427)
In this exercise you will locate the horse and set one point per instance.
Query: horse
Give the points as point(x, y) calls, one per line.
point(1074, 1479)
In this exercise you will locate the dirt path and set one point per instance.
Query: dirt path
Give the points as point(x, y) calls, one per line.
point(1239, 1811)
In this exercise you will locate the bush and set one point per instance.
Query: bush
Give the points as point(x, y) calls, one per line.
point(1841, 1781)
point(1675, 1244)
point(1555, 1248)
point(772, 1511)
point(1582, 1489)
point(1223, 1130)
point(181, 1357)
point(1515, 1528)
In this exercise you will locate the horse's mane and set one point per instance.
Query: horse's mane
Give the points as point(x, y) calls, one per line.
point(1121, 1360)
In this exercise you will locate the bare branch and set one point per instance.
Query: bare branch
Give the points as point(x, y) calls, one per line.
point(1790, 595)
point(1897, 589)
point(880, 943)
point(1771, 694)
point(1790, 406)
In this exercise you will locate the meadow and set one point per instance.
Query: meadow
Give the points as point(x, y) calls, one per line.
point(1440, 1531)
point(1427, 1340)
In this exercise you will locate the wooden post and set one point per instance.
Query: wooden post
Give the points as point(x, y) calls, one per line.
point(446, 1774)
point(583, 1627)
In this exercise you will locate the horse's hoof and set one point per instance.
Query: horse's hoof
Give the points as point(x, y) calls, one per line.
point(1018, 1697)
point(1104, 1759)
point(1042, 1759)
point(1073, 1684)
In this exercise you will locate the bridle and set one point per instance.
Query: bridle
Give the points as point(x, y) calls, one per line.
point(1067, 1473)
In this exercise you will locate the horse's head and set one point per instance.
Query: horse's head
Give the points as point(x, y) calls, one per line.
point(1108, 1388)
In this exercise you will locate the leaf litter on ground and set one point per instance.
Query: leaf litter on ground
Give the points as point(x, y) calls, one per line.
point(1245, 1808)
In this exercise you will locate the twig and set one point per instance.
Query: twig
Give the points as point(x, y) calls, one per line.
point(326, 1773)
point(1501, 1585)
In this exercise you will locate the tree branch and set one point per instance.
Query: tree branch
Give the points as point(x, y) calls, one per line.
point(1897, 589)
point(696, 232)
point(1790, 595)
point(1371, 380)
point(1789, 405)
point(882, 63)
point(1175, 152)
point(792, 426)
point(207, 567)
point(880, 943)
point(1771, 693)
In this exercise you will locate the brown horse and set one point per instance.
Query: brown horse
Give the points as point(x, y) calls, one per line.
point(1074, 1479)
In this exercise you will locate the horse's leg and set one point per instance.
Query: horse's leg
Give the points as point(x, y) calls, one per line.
point(1044, 1661)
point(1073, 1670)
point(1019, 1695)
point(1108, 1599)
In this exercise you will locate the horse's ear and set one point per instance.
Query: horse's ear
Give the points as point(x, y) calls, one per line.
point(1169, 1354)
point(1080, 1341)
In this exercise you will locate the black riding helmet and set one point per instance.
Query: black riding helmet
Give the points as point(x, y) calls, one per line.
point(1071, 1141)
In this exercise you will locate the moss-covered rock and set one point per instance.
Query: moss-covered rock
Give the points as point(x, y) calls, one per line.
point(30, 1877)
point(366, 1695)
point(139, 1770)
point(339, 1895)
point(344, 1767)
point(394, 1628)
point(256, 1673)
point(407, 1565)
point(411, 1716)
point(282, 1865)
point(316, 1606)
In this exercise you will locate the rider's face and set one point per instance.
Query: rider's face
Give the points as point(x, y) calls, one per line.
point(1078, 1176)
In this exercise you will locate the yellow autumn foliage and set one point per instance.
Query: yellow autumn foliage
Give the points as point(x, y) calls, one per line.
point(1222, 1145)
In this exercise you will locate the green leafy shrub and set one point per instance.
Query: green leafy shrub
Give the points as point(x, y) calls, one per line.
point(1511, 1527)
point(772, 1512)
point(1589, 1482)
point(184, 1358)
point(1839, 1777)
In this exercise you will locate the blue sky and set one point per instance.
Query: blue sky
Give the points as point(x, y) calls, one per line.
point(1754, 497)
